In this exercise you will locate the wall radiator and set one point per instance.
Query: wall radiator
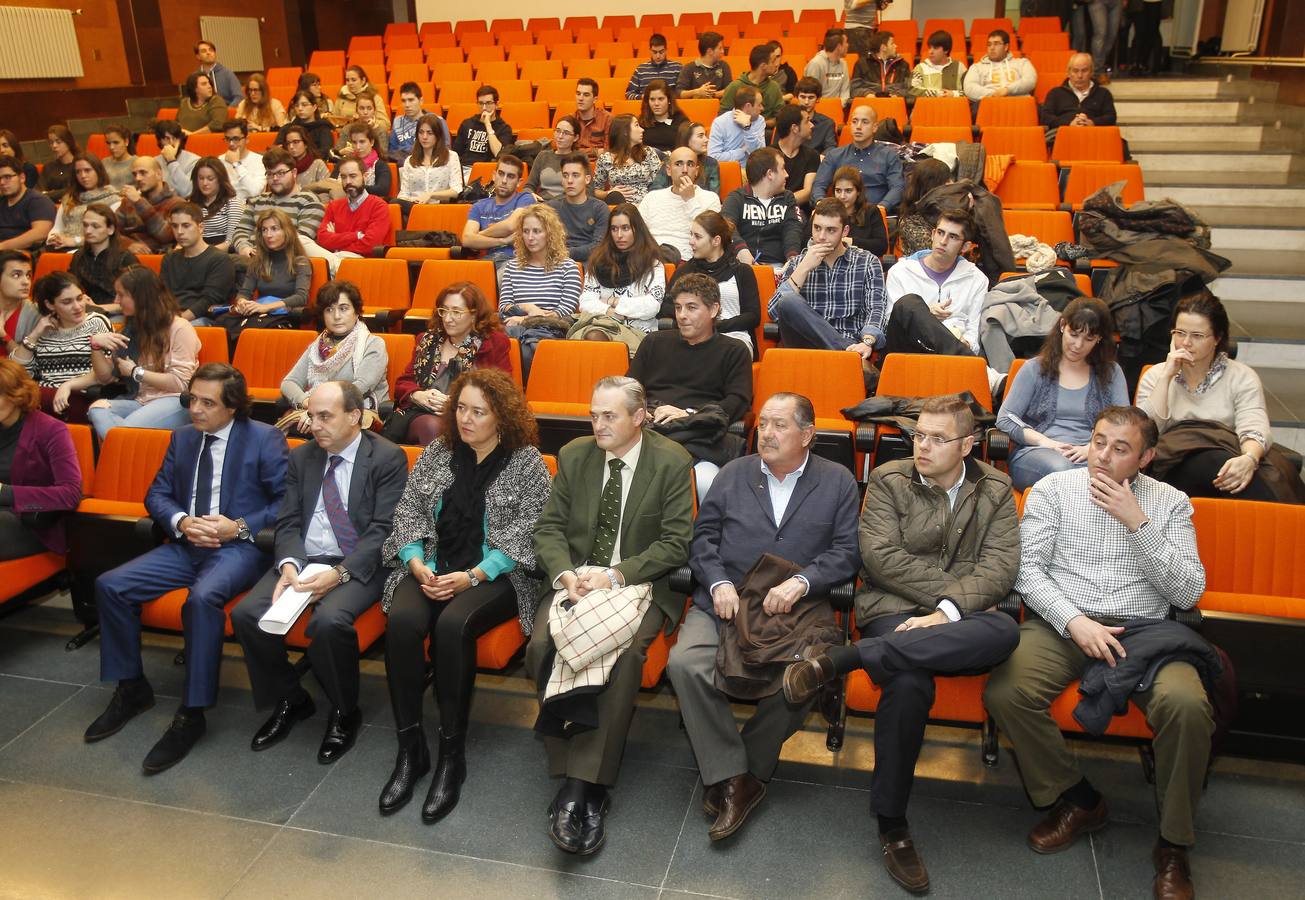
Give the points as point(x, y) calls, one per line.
point(38, 43)
point(240, 46)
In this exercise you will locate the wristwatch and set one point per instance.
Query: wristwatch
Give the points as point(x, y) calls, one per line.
point(138, 374)
point(242, 530)
point(343, 573)
point(472, 575)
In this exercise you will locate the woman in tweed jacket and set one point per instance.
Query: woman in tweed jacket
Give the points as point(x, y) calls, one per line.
point(464, 562)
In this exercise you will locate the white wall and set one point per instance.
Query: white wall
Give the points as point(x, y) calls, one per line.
point(448, 11)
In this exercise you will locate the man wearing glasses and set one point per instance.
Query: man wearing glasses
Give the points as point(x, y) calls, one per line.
point(940, 546)
point(244, 166)
point(283, 193)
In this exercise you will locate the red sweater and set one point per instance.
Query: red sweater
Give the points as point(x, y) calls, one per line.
point(372, 219)
point(493, 355)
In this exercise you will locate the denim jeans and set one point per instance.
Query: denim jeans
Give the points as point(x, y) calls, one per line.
point(165, 413)
point(1105, 16)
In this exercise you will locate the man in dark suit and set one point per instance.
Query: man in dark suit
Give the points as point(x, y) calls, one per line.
point(221, 481)
point(621, 506)
point(794, 504)
point(339, 503)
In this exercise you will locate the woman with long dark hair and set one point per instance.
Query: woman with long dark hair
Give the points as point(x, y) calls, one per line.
point(102, 257)
point(624, 278)
point(307, 114)
point(432, 172)
point(660, 116)
point(60, 350)
point(711, 237)
point(211, 190)
point(867, 226)
point(201, 109)
point(915, 229)
point(90, 185)
point(260, 109)
point(627, 166)
point(57, 174)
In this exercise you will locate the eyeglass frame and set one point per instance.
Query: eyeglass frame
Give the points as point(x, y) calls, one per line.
point(924, 439)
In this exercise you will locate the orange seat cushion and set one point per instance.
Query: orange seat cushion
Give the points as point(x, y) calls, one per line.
point(370, 626)
point(654, 664)
point(165, 612)
point(17, 575)
point(1254, 604)
point(957, 699)
point(92, 506)
point(265, 393)
point(496, 647)
point(1132, 724)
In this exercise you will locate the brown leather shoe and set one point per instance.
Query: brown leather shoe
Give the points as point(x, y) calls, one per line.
point(1064, 824)
point(711, 798)
point(1173, 876)
point(739, 797)
point(903, 861)
point(804, 679)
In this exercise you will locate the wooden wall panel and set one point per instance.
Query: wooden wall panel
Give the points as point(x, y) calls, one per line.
point(181, 30)
point(99, 36)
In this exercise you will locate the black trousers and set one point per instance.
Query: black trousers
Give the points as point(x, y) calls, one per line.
point(16, 539)
point(1146, 35)
point(903, 665)
point(1194, 476)
point(912, 328)
point(453, 627)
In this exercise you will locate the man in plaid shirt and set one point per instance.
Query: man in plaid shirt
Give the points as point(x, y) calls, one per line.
point(1100, 546)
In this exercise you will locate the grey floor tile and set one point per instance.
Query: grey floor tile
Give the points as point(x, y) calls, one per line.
point(311, 864)
point(26, 700)
point(503, 811)
point(221, 775)
point(30, 646)
point(63, 844)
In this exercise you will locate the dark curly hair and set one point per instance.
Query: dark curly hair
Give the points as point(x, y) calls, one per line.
point(516, 423)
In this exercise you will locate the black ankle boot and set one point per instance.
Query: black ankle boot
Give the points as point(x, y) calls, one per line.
point(450, 772)
point(410, 765)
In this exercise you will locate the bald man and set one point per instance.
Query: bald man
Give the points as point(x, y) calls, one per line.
point(669, 212)
point(880, 167)
point(146, 202)
point(1079, 101)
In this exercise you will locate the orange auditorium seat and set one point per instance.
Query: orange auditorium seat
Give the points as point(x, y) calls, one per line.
point(1101, 143)
point(1085, 179)
point(1029, 185)
point(266, 356)
point(439, 217)
point(382, 282)
point(435, 275)
point(563, 374)
point(1028, 143)
point(1007, 111)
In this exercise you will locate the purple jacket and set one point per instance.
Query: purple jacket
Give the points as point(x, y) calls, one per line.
point(46, 476)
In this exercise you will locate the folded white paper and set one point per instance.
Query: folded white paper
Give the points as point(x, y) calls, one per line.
point(282, 615)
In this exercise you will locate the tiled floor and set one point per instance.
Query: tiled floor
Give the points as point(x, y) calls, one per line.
point(82, 822)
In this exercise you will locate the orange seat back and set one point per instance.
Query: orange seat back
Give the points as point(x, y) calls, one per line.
point(1252, 548)
point(566, 371)
point(1024, 142)
point(1008, 111)
point(151, 261)
point(1038, 25)
point(439, 217)
point(212, 344)
point(536, 71)
point(514, 360)
point(129, 460)
point(399, 348)
point(51, 262)
point(266, 355)
point(731, 177)
point(942, 134)
point(1029, 185)
point(884, 107)
point(382, 282)
point(1085, 179)
point(1040, 41)
point(930, 375)
point(436, 274)
point(941, 111)
point(84, 445)
point(830, 379)
point(1051, 226)
point(1100, 143)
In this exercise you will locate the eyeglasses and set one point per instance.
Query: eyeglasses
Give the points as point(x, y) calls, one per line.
point(235, 138)
point(1197, 336)
point(446, 313)
point(920, 439)
point(278, 173)
point(565, 132)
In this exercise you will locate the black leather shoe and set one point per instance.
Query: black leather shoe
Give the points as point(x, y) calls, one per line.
point(184, 732)
point(446, 786)
point(592, 831)
point(903, 861)
point(410, 766)
point(564, 821)
point(277, 728)
point(341, 732)
point(127, 703)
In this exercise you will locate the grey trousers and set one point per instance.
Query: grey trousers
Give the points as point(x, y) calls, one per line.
point(722, 750)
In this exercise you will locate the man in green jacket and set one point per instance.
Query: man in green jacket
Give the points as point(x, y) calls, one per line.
point(764, 63)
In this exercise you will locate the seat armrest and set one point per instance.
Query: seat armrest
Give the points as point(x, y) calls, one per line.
point(149, 531)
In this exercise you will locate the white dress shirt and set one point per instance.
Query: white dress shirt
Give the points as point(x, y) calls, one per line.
point(631, 460)
point(946, 606)
point(219, 453)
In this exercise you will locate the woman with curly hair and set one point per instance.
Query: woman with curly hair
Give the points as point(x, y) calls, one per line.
point(463, 333)
point(540, 280)
point(260, 109)
point(463, 557)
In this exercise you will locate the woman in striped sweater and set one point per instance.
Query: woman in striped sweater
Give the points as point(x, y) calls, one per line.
point(59, 351)
point(540, 280)
point(212, 191)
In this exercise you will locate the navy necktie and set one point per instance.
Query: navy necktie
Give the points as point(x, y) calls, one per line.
point(204, 477)
point(345, 534)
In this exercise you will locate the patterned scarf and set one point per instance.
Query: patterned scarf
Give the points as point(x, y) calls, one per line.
point(326, 358)
point(427, 365)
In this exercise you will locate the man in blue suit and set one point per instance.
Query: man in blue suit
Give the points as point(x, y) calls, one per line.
point(221, 482)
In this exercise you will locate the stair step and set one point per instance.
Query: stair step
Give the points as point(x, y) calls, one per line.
point(1182, 187)
point(1284, 391)
point(1285, 357)
point(1254, 216)
point(1264, 262)
point(1269, 322)
point(1192, 89)
point(1207, 111)
point(1217, 164)
point(1238, 286)
point(1291, 240)
point(1178, 137)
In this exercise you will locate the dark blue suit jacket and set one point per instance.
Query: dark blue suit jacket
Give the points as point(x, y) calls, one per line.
point(735, 526)
point(253, 475)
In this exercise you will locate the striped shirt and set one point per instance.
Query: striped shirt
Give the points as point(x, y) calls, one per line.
point(63, 354)
point(1077, 559)
point(668, 71)
point(557, 289)
point(220, 226)
point(303, 208)
point(848, 293)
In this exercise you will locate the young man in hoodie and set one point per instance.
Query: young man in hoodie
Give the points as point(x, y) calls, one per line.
point(935, 296)
point(999, 74)
point(938, 75)
point(881, 72)
point(765, 212)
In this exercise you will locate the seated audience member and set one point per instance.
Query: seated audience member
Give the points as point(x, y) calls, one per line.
point(660, 116)
point(283, 193)
point(782, 73)
point(1080, 100)
point(935, 297)
point(482, 137)
point(341, 490)
point(823, 135)
point(545, 180)
point(1102, 546)
point(311, 171)
point(154, 357)
point(212, 518)
point(224, 81)
point(463, 333)
point(377, 178)
point(711, 237)
point(211, 190)
point(432, 173)
point(880, 72)
point(927, 604)
point(18, 315)
point(627, 167)
point(759, 77)
point(694, 366)
point(829, 67)
point(102, 257)
point(492, 222)
point(913, 227)
point(657, 68)
point(370, 120)
point(59, 351)
point(57, 173)
point(1210, 409)
point(344, 351)
point(176, 161)
point(801, 163)
point(831, 295)
point(355, 85)
point(1055, 397)
point(999, 74)
point(358, 222)
point(461, 561)
point(739, 132)
point(26, 216)
point(279, 276)
point(706, 76)
point(937, 74)
point(403, 130)
point(541, 279)
point(308, 116)
point(201, 110)
point(39, 474)
point(91, 185)
point(198, 275)
point(764, 213)
point(11, 146)
point(143, 215)
point(595, 121)
point(866, 225)
point(807, 517)
point(577, 547)
point(670, 210)
point(624, 277)
point(879, 164)
point(248, 176)
point(311, 83)
point(117, 165)
point(694, 136)
point(583, 216)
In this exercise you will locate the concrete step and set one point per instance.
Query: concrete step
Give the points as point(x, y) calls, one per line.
point(1230, 137)
point(1199, 88)
point(1264, 262)
point(1267, 321)
point(1225, 190)
point(1254, 216)
point(1215, 164)
point(1290, 240)
point(1284, 393)
point(1235, 286)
